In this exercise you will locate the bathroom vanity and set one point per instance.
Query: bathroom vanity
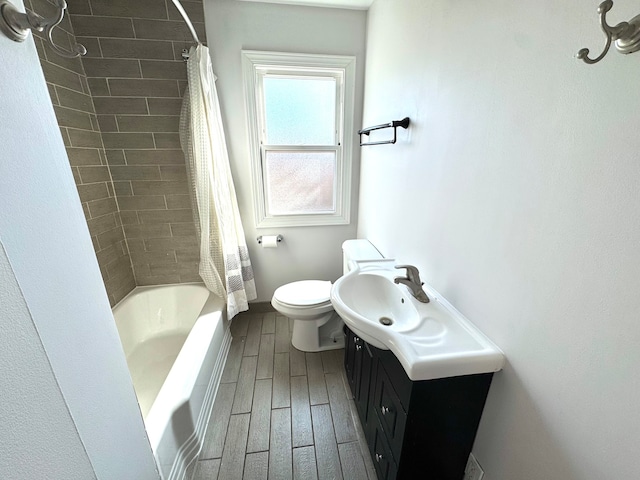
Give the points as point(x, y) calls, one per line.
point(414, 429)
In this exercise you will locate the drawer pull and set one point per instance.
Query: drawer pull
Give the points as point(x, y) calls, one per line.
point(378, 457)
point(358, 347)
point(385, 410)
point(356, 339)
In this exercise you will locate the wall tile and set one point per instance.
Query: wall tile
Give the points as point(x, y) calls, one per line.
point(115, 157)
point(164, 106)
point(73, 118)
point(94, 191)
point(102, 207)
point(107, 123)
point(123, 48)
point(74, 99)
point(193, 9)
point(121, 105)
point(164, 69)
point(112, 67)
point(94, 174)
point(135, 172)
point(162, 29)
point(154, 157)
point(127, 8)
point(83, 156)
point(123, 188)
point(84, 138)
point(167, 140)
point(147, 230)
point(159, 188)
point(61, 76)
point(147, 123)
point(101, 224)
point(128, 140)
point(166, 216)
point(92, 45)
point(178, 201)
point(173, 172)
point(140, 88)
point(98, 87)
point(98, 26)
point(142, 202)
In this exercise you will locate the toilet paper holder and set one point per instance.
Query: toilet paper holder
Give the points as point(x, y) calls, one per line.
point(279, 238)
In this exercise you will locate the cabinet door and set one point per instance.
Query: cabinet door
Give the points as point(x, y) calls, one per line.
point(383, 460)
point(364, 382)
point(386, 404)
point(350, 359)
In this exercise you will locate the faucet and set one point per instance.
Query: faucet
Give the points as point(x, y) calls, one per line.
point(413, 283)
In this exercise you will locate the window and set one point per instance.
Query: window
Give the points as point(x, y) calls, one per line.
point(300, 114)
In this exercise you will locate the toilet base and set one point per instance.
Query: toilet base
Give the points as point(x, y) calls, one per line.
point(318, 335)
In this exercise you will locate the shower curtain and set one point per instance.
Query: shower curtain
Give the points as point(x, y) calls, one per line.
point(224, 257)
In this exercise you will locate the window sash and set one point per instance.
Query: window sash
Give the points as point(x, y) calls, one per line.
point(257, 63)
point(337, 150)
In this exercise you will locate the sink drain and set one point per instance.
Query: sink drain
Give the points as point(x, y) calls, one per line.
point(386, 321)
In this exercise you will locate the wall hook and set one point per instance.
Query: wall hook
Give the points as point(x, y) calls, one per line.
point(16, 25)
point(625, 35)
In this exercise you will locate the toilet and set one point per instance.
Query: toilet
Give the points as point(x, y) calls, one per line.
point(316, 326)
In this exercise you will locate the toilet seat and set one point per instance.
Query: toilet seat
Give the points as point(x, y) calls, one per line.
point(305, 293)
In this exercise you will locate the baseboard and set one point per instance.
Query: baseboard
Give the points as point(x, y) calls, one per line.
point(261, 307)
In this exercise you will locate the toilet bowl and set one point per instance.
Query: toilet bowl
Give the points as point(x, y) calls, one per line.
point(316, 326)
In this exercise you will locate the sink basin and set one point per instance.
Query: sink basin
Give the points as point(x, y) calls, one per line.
point(431, 340)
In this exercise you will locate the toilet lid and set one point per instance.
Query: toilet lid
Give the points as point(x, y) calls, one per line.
point(306, 292)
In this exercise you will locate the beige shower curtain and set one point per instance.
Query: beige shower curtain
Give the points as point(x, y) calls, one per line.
point(225, 266)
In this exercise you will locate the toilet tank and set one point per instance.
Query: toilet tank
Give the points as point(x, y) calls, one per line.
point(360, 249)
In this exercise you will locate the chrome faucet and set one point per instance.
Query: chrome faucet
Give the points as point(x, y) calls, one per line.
point(413, 283)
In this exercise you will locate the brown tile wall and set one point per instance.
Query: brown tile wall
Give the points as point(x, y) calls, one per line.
point(79, 125)
point(137, 77)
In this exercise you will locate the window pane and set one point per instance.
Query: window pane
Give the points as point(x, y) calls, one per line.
point(300, 182)
point(300, 111)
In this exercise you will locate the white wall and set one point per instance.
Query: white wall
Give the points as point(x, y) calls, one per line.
point(307, 252)
point(515, 192)
point(67, 397)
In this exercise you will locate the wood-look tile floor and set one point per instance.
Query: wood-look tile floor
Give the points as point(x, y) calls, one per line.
point(280, 413)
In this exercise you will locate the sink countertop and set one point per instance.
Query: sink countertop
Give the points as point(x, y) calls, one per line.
point(431, 340)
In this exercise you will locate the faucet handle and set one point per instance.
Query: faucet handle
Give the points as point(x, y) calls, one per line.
point(412, 273)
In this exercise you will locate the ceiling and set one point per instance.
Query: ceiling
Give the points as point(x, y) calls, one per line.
point(353, 4)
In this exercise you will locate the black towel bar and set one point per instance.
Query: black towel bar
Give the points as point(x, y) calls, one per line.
point(404, 123)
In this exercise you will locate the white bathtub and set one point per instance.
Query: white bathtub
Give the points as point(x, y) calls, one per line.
point(176, 340)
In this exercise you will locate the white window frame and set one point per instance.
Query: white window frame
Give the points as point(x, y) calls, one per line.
point(256, 64)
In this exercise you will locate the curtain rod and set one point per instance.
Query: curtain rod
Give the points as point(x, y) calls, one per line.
point(187, 20)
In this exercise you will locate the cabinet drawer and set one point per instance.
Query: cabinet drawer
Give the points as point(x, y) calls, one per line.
point(383, 460)
point(389, 411)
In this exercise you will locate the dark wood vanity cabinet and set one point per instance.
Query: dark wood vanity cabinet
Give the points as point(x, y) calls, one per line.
point(422, 429)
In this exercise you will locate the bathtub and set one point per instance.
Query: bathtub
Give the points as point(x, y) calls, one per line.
point(176, 340)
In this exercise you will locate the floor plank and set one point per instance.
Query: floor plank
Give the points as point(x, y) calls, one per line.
point(325, 443)
point(340, 411)
point(283, 335)
point(351, 461)
point(304, 464)
point(244, 391)
point(281, 381)
point(260, 417)
point(280, 455)
point(213, 444)
point(240, 324)
point(269, 323)
point(232, 365)
point(315, 373)
point(301, 430)
point(252, 345)
point(298, 362)
point(232, 464)
point(265, 357)
point(332, 361)
point(207, 470)
point(256, 466)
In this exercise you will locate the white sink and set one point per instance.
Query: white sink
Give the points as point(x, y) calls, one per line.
point(431, 340)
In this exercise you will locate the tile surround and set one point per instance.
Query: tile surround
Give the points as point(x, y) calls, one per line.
point(74, 109)
point(118, 108)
